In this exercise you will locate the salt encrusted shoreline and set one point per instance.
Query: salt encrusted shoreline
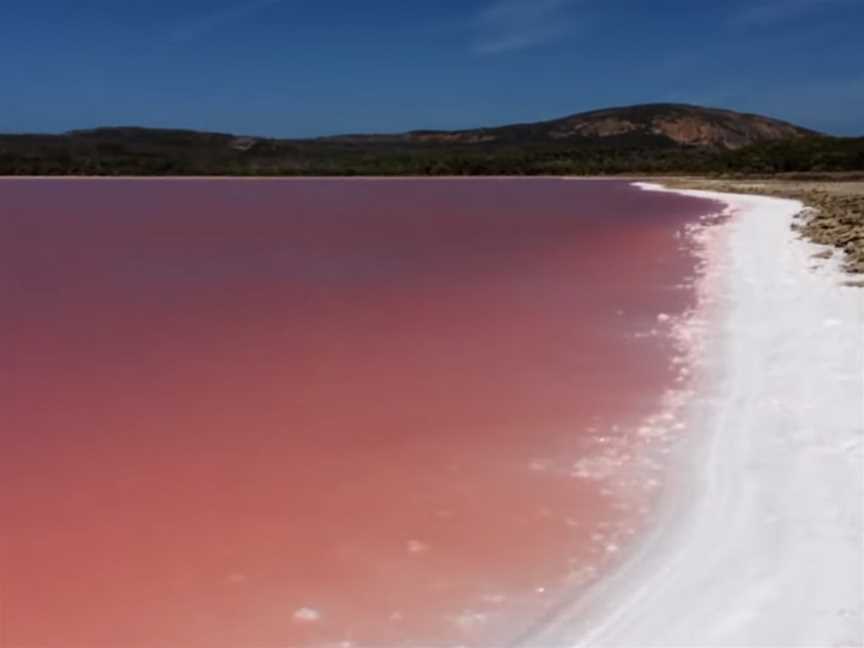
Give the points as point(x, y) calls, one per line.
point(759, 541)
point(834, 214)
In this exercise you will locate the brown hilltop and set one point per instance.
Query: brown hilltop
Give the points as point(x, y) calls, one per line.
point(674, 124)
point(689, 125)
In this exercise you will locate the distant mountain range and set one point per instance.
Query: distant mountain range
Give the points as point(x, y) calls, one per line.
point(650, 138)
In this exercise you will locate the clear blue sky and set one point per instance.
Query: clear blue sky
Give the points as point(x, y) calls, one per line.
point(311, 67)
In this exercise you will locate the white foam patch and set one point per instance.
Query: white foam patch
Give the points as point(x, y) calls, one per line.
point(416, 547)
point(307, 615)
point(597, 468)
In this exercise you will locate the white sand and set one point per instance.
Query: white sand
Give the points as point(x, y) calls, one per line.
point(761, 543)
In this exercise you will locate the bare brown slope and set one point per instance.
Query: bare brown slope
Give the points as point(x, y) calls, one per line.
point(676, 124)
point(689, 125)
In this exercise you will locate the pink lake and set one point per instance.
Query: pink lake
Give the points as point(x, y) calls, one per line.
point(271, 414)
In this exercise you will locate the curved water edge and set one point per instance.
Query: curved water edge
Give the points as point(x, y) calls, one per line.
point(759, 541)
point(435, 384)
point(677, 443)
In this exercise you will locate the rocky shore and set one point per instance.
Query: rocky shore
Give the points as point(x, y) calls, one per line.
point(834, 214)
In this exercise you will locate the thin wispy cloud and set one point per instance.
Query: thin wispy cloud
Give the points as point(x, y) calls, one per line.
point(217, 19)
point(511, 25)
point(768, 12)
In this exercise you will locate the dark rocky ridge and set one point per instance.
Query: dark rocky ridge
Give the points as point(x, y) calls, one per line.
point(646, 139)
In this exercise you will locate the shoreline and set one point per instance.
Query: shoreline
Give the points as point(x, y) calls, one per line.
point(759, 537)
point(312, 177)
point(765, 509)
point(675, 443)
point(834, 214)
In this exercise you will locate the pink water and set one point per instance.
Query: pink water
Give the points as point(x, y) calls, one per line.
point(298, 413)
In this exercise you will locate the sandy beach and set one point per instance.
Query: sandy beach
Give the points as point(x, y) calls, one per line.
point(760, 542)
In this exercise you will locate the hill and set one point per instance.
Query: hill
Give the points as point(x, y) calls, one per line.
point(653, 138)
point(675, 123)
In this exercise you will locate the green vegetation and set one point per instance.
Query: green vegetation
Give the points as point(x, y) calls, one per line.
point(807, 155)
point(160, 153)
point(656, 139)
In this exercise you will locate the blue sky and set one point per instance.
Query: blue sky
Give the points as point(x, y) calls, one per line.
point(311, 67)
